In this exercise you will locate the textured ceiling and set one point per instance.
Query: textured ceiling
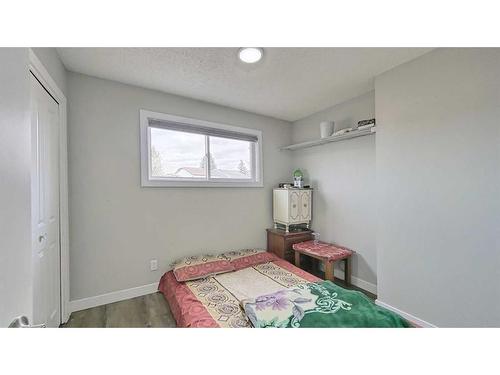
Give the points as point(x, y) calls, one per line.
point(289, 83)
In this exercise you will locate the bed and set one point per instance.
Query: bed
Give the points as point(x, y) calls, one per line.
point(250, 296)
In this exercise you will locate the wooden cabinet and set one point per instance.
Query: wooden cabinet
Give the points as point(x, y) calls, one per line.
point(291, 207)
point(280, 242)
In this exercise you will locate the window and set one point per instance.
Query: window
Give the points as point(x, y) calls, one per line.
point(179, 151)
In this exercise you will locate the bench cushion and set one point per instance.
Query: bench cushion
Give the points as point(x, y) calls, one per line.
point(322, 250)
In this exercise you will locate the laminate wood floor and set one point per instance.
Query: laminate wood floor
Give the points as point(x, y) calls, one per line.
point(151, 310)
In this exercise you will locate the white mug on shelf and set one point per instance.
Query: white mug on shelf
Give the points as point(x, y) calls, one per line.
point(326, 128)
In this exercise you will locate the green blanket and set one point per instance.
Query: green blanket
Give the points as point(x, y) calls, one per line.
point(322, 304)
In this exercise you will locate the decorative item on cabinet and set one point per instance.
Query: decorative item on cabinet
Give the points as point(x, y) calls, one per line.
point(298, 179)
point(288, 185)
point(292, 207)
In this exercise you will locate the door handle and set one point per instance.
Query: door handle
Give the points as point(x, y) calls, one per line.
point(42, 238)
point(23, 322)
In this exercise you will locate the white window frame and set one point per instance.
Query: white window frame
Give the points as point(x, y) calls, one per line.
point(148, 181)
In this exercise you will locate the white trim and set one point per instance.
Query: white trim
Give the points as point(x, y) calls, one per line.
point(119, 295)
point(37, 68)
point(166, 182)
point(356, 281)
point(411, 318)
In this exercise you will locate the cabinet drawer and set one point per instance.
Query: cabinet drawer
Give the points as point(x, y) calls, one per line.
point(280, 242)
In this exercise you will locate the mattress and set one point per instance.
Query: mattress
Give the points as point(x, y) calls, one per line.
point(215, 301)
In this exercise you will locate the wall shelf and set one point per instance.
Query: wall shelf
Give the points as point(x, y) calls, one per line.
point(333, 138)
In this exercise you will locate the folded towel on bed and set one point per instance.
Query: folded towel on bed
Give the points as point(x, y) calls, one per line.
point(247, 283)
point(322, 304)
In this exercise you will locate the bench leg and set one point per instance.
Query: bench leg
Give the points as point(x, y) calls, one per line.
point(297, 259)
point(348, 271)
point(329, 270)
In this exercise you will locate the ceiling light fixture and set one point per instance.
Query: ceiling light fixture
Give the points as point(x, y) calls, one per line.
point(250, 55)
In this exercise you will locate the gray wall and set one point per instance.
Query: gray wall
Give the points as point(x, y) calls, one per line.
point(15, 188)
point(343, 177)
point(51, 61)
point(438, 163)
point(116, 226)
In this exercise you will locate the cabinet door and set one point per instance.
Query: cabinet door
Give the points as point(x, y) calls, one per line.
point(305, 205)
point(280, 206)
point(294, 210)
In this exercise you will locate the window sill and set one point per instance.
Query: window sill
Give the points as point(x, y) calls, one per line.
point(201, 184)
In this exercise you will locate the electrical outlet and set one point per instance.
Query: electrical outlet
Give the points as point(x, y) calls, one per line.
point(153, 264)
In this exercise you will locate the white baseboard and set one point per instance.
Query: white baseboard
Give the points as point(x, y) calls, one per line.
point(360, 283)
point(119, 295)
point(411, 318)
point(356, 281)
